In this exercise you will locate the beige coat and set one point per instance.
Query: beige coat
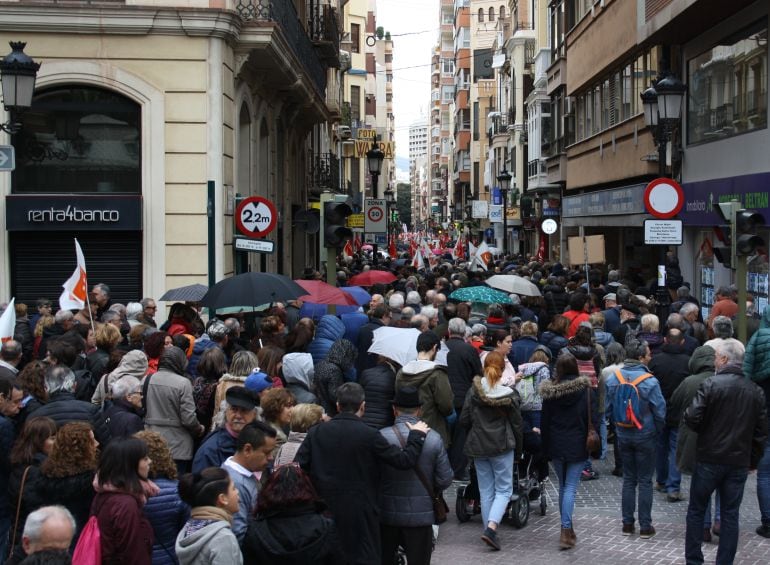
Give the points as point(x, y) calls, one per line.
point(171, 412)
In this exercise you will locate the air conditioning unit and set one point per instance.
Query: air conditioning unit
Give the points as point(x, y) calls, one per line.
point(344, 132)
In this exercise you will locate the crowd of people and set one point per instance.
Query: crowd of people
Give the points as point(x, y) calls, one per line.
point(280, 438)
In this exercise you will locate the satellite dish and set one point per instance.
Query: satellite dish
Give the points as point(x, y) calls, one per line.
point(307, 221)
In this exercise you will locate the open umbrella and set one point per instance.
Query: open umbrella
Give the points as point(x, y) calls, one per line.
point(189, 293)
point(319, 292)
point(359, 294)
point(482, 294)
point(372, 277)
point(513, 284)
point(398, 344)
point(317, 311)
point(250, 290)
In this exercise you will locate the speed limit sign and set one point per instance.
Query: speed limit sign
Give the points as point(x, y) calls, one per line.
point(374, 216)
point(255, 216)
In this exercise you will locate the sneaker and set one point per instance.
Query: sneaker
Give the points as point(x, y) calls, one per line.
point(716, 528)
point(707, 535)
point(489, 537)
point(660, 487)
point(646, 533)
point(588, 475)
point(764, 530)
point(628, 529)
point(675, 496)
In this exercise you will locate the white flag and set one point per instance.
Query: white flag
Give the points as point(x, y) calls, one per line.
point(76, 287)
point(8, 322)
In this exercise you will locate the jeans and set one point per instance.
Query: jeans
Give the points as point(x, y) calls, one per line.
point(638, 455)
point(457, 458)
point(603, 435)
point(763, 485)
point(569, 479)
point(667, 472)
point(707, 516)
point(728, 481)
point(495, 478)
point(531, 418)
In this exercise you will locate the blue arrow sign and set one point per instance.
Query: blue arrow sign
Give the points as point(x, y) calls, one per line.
point(7, 158)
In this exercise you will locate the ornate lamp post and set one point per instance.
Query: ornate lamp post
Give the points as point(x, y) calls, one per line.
point(18, 73)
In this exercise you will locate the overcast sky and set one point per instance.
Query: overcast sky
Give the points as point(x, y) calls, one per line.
point(411, 87)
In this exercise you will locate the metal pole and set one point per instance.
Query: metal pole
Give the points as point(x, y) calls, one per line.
point(740, 275)
point(663, 297)
point(505, 222)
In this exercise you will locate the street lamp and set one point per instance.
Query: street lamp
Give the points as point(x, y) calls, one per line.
point(374, 158)
point(18, 73)
point(662, 104)
point(504, 178)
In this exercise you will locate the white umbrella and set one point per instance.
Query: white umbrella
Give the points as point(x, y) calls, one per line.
point(397, 344)
point(513, 284)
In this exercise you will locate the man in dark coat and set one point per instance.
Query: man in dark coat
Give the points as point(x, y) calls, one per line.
point(379, 316)
point(463, 363)
point(555, 297)
point(343, 458)
point(671, 366)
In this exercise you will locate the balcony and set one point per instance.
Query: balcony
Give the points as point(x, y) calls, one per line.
point(324, 31)
point(324, 173)
point(537, 172)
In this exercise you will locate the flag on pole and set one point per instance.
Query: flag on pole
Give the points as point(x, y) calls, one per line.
point(417, 261)
point(76, 287)
point(392, 251)
point(459, 251)
point(357, 243)
point(347, 251)
point(8, 322)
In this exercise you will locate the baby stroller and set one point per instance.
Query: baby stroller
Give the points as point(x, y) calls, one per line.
point(529, 473)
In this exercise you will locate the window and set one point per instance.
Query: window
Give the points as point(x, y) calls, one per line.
point(727, 87)
point(491, 14)
point(502, 12)
point(447, 66)
point(79, 139)
point(355, 102)
point(481, 15)
point(355, 37)
point(447, 93)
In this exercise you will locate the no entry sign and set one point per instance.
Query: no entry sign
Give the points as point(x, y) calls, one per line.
point(255, 216)
point(663, 198)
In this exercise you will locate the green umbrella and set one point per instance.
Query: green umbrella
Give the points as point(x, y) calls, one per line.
point(482, 294)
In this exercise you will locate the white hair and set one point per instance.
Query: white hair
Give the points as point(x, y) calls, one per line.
point(124, 386)
point(133, 309)
point(396, 301)
point(33, 527)
point(413, 297)
point(456, 326)
point(429, 312)
point(730, 349)
point(63, 316)
point(59, 378)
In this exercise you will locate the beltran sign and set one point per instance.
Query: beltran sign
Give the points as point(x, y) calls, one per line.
point(50, 212)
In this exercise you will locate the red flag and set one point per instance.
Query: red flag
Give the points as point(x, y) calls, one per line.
point(459, 251)
point(348, 249)
point(76, 287)
point(392, 249)
point(357, 243)
point(412, 248)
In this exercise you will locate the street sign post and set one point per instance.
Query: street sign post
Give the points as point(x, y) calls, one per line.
point(255, 216)
point(7, 158)
point(375, 219)
point(255, 245)
point(663, 198)
point(663, 232)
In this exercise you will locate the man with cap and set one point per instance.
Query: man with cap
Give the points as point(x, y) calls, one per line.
point(406, 506)
point(629, 322)
point(612, 312)
point(241, 410)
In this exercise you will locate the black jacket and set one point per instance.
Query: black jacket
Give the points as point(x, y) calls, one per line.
point(122, 419)
point(564, 418)
point(671, 366)
point(556, 301)
point(74, 492)
point(730, 417)
point(463, 363)
point(31, 499)
point(493, 420)
point(50, 332)
point(63, 408)
point(365, 359)
point(294, 536)
point(379, 384)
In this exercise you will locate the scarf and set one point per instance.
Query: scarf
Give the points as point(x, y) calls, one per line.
point(211, 514)
point(148, 489)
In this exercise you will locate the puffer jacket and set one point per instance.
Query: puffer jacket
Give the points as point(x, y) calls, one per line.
point(330, 373)
point(199, 348)
point(701, 368)
point(379, 384)
point(564, 419)
point(556, 300)
point(756, 363)
point(554, 342)
point(403, 499)
point(587, 353)
point(299, 373)
point(215, 449)
point(492, 419)
point(329, 330)
point(432, 382)
point(167, 515)
point(63, 408)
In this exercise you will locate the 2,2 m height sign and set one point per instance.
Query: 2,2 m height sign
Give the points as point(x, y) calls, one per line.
point(256, 216)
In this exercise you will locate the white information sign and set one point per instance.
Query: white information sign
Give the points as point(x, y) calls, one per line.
point(375, 216)
point(257, 245)
point(480, 209)
point(496, 214)
point(663, 232)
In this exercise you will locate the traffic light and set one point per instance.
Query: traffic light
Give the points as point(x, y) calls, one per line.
point(335, 230)
point(747, 222)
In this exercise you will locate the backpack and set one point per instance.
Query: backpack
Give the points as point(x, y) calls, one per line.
point(85, 385)
point(88, 550)
point(587, 369)
point(626, 405)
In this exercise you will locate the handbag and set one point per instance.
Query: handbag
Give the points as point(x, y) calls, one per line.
point(18, 510)
point(440, 507)
point(593, 442)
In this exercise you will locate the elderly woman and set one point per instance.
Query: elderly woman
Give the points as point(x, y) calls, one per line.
point(123, 415)
point(133, 364)
point(649, 331)
point(303, 417)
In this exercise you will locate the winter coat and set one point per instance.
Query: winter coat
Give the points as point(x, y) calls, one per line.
point(521, 350)
point(299, 373)
point(330, 373)
point(213, 544)
point(587, 353)
point(435, 393)
point(671, 366)
point(701, 367)
point(7, 438)
point(74, 492)
point(365, 359)
point(123, 419)
point(170, 411)
point(564, 419)
point(353, 321)
point(202, 344)
point(96, 362)
point(463, 364)
point(126, 534)
point(603, 338)
point(575, 317)
point(133, 364)
point(379, 384)
point(653, 405)
point(611, 319)
point(654, 340)
point(344, 458)
point(31, 498)
point(23, 335)
point(329, 330)
point(288, 450)
point(404, 500)
point(293, 536)
point(215, 449)
point(556, 300)
point(492, 418)
point(63, 408)
point(533, 375)
point(167, 515)
point(756, 363)
point(554, 342)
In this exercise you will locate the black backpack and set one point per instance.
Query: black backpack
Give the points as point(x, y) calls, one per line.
point(85, 385)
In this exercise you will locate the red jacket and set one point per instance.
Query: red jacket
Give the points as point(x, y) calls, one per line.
point(126, 535)
point(575, 317)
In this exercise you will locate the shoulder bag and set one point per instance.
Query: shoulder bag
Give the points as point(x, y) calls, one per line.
point(593, 442)
point(440, 507)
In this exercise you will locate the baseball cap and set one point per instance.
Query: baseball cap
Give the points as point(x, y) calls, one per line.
point(610, 296)
point(258, 381)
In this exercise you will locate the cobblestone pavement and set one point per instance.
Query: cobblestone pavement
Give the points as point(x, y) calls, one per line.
point(597, 525)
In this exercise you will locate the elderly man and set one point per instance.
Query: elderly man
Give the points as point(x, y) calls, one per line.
point(147, 315)
point(379, 316)
point(101, 296)
point(727, 448)
point(48, 528)
point(694, 327)
point(10, 356)
point(678, 322)
point(722, 326)
point(611, 312)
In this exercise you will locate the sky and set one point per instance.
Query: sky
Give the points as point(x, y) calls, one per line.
point(411, 87)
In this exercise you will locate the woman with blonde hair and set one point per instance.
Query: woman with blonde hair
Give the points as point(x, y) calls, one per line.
point(303, 417)
point(45, 321)
point(492, 419)
point(243, 363)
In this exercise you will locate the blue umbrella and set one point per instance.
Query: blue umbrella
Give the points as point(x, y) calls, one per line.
point(483, 294)
point(317, 311)
point(359, 294)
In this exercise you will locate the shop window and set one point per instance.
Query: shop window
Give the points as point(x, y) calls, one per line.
point(79, 139)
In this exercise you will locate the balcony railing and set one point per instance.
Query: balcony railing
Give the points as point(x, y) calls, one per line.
point(284, 14)
point(324, 173)
point(324, 30)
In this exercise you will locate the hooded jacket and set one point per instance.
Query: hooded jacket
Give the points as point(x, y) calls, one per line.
point(379, 384)
point(330, 373)
point(213, 544)
point(435, 393)
point(492, 418)
point(329, 330)
point(299, 373)
point(564, 419)
point(756, 363)
point(133, 364)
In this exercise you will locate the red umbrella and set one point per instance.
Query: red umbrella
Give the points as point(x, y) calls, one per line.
point(319, 292)
point(372, 277)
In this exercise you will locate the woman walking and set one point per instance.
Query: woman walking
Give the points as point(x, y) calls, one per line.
point(565, 420)
point(492, 419)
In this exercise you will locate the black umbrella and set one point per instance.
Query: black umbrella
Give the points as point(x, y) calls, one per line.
point(250, 290)
point(189, 293)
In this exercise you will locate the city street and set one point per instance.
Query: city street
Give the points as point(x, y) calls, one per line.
point(597, 525)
